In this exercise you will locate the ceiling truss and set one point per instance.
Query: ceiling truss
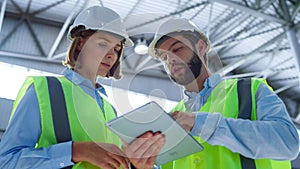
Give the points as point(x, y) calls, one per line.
point(225, 32)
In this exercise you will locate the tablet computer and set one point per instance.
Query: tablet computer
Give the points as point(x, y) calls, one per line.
point(151, 117)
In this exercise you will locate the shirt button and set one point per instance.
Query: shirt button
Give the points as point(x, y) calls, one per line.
point(62, 164)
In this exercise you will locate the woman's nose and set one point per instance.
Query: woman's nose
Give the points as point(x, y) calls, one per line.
point(111, 53)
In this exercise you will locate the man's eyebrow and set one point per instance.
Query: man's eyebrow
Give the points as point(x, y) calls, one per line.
point(173, 44)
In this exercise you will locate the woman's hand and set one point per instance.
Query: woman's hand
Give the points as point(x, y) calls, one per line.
point(103, 155)
point(143, 151)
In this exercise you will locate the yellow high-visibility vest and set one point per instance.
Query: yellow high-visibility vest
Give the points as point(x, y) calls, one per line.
point(86, 119)
point(223, 99)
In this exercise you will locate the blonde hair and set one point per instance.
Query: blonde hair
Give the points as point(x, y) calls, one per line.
point(73, 52)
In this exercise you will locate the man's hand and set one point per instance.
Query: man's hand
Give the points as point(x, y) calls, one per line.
point(103, 155)
point(185, 119)
point(143, 151)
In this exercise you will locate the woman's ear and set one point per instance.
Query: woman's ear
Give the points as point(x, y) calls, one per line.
point(80, 44)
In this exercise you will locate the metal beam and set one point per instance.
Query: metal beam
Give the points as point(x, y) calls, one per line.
point(37, 63)
point(250, 28)
point(17, 6)
point(295, 11)
point(3, 6)
point(178, 6)
point(251, 74)
point(139, 65)
point(297, 119)
point(132, 9)
point(36, 40)
point(295, 46)
point(273, 54)
point(251, 11)
point(27, 57)
point(181, 5)
point(267, 72)
point(285, 10)
point(28, 6)
point(235, 65)
point(268, 69)
point(209, 20)
point(220, 46)
point(251, 34)
point(59, 55)
point(47, 7)
point(197, 13)
point(14, 29)
point(101, 3)
point(257, 4)
point(225, 32)
point(225, 24)
point(223, 20)
point(62, 31)
point(59, 36)
point(166, 16)
point(44, 21)
point(286, 87)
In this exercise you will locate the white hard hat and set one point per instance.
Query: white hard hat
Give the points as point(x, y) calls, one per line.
point(102, 19)
point(175, 25)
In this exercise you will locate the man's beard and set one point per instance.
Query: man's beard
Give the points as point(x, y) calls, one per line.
point(192, 71)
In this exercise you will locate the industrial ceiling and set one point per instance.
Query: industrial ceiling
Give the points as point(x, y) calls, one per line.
point(250, 38)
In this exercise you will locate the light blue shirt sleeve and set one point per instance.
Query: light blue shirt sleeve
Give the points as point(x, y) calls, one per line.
point(272, 136)
point(17, 147)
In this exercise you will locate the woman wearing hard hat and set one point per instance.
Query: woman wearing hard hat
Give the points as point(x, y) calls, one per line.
point(59, 122)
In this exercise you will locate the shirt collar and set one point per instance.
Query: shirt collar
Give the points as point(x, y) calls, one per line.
point(78, 79)
point(211, 82)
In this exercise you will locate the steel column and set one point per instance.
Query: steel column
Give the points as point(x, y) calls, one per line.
point(295, 46)
point(3, 6)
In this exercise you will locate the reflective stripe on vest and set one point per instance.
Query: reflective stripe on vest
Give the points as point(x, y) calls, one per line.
point(245, 111)
point(86, 120)
point(223, 99)
point(59, 112)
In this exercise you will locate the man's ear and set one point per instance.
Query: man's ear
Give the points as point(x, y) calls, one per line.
point(201, 47)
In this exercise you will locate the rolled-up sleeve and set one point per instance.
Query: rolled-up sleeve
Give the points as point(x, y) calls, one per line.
point(272, 135)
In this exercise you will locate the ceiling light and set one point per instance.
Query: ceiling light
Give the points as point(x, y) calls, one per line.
point(141, 47)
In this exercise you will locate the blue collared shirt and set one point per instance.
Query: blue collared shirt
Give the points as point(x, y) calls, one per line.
point(272, 136)
point(17, 147)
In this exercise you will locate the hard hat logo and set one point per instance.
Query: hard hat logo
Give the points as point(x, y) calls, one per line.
point(101, 19)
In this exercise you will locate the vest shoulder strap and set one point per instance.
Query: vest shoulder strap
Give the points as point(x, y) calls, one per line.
point(244, 98)
point(245, 111)
point(59, 111)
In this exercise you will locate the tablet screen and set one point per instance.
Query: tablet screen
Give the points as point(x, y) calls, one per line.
point(151, 117)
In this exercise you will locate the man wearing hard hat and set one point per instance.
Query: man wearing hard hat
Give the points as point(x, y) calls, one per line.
point(59, 122)
point(241, 123)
